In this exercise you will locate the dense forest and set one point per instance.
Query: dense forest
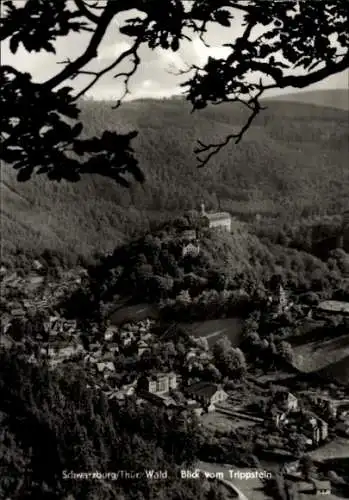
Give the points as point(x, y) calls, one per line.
point(291, 165)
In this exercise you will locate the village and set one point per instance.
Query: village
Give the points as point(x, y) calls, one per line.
point(284, 421)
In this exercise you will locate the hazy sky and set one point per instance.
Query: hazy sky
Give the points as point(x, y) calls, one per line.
point(154, 77)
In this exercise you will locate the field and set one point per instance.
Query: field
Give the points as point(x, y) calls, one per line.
point(317, 355)
point(136, 312)
point(214, 329)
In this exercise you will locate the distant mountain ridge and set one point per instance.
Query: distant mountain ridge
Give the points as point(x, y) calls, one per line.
point(332, 98)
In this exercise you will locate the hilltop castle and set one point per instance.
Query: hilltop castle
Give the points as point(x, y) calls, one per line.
point(217, 219)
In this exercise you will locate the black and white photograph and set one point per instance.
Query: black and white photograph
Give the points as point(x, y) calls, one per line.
point(174, 250)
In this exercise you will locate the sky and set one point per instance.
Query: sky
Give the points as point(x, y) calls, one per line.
point(155, 76)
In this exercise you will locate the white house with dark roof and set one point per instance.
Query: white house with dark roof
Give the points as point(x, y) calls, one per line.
point(206, 393)
point(159, 383)
point(220, 220)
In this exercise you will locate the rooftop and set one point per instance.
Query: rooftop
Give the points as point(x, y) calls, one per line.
point(218, 216)
point(321, 485)
point(205, 389)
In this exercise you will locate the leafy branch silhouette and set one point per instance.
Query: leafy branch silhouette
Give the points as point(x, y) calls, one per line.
point(283, 44)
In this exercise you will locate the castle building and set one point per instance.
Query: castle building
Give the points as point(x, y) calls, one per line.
point(220, 220)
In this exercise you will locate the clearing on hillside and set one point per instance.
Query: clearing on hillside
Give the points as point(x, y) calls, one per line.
point(214, 329)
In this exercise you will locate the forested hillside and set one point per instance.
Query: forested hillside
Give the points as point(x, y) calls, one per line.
point(65, 426)
point(293, 161)
point(227, 276)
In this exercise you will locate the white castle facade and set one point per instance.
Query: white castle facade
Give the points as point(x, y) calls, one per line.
point(217, 219)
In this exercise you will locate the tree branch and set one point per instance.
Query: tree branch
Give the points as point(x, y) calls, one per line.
point(127, 75)
point(91, 50)
point(86, 12)
point(239, 6)
point(213, 149)
point(299, 81)
point(98, 74)
point(304, 80)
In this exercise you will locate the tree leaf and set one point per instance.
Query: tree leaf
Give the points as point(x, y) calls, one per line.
point(175, 44)
point(222, 17)
point(24, 174)
point(14, 42)
point(77, 129)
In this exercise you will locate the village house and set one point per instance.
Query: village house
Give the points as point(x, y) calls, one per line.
point(113, 347)
point(18, 313)
point(127, 390)
point(90, 359)
point(191, 249)
point(142, 347)
point(6, 341)
point(280, 418)
point(308, 489)
point(37, 265)
point(192, 405)
point(321, 487)
point(106, 368)
point(318, 428)
point(343, 409)
point(192, 353)
point(291, 468)
point(110, 332)
point(126, 338)
point(312, 427)
point(323, 402)
point(285, 400)
point(69, 326)
point(146, 336)
point(5, 323)
point(207, 394)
